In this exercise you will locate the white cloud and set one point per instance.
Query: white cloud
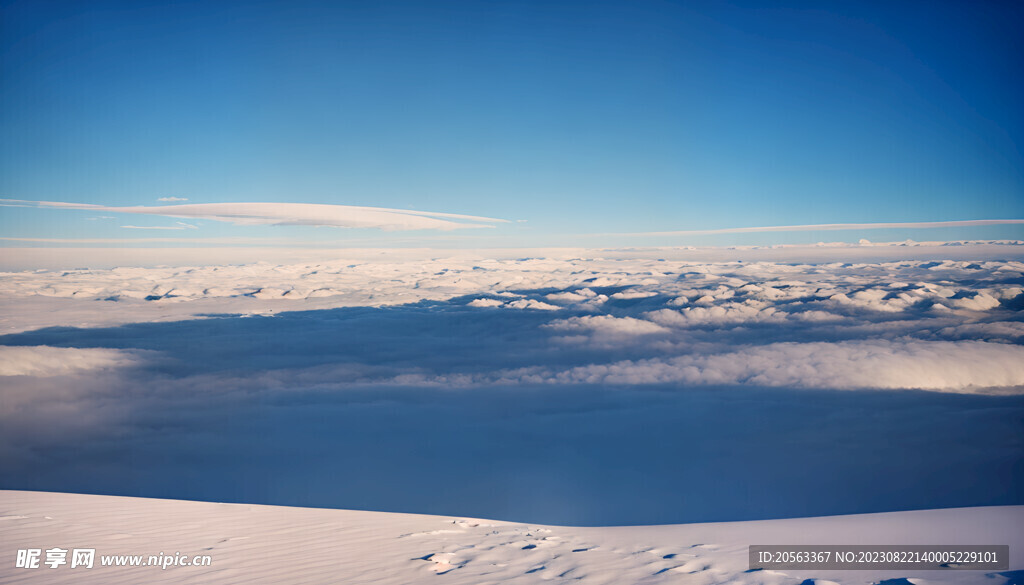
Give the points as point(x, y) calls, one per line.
point(816, 316)
point(576, 296)
point(840, 226)
point(731, 312)
point(875, 300)
point(531, 304)
point(1008, 292)
point(308, 214)
point(44, 361)
point(486, 303)
point(979, 302)
point(607, 325)
point(151, 227)
point(1005, 331)
point(633, 294)
point(180, 225)
point(940, 365)
point(172, 199)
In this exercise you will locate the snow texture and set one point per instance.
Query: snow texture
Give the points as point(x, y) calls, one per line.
point(266, 544)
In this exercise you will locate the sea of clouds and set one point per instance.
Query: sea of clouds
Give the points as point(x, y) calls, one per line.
point(593, 389)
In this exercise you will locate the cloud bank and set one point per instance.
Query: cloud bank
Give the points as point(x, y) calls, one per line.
point(937, 365)
point(42, 361)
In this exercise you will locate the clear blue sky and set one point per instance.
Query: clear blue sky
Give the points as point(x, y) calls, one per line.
point(579, 117)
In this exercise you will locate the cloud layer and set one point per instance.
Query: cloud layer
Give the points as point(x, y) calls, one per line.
point(581, 388)
point(42, 361)
point(925, 365)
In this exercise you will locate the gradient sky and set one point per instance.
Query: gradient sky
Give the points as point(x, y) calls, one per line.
point(578, 117)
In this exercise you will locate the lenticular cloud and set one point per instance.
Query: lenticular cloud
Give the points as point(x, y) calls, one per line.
point(307, 214)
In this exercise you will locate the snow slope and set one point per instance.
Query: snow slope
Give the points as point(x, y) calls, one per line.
point(268, 544)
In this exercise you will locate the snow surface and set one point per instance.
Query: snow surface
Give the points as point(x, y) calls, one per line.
point(267, 544)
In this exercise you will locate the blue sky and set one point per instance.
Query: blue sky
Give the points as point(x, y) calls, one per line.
point(583, 119)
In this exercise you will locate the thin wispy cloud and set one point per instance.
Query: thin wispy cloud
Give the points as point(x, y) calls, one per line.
point(837, 227)
point(217, 240)
point(152, 227)
point(168, 199)
point(306, 214)
point(180, 226)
